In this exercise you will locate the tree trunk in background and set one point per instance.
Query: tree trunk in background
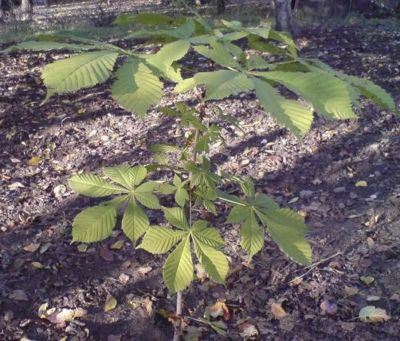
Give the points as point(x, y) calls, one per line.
point(26, 9)
point(283, 16)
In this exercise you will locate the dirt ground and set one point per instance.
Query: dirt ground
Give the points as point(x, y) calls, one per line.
point(355, 231)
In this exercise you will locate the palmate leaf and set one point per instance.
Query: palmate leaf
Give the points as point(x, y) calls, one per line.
point(207, 235)
point(48, 46)
point(121, 174)
point(178, 268)
point(167, 55)
point(81, 71)
point(93, 186)
point(158, 240)
point(329, 95)
point(134, 222)
point(367, 88)
point(251, 235)
point(214, 262)
point(291, 114)
point(288, 230)
point(136, 88)
point(94, 224)
point(144, 194)
point(218, 54)
point(176, 217)
point(219, 84)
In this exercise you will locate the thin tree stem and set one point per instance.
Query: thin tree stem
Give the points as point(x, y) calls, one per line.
point(178, 322)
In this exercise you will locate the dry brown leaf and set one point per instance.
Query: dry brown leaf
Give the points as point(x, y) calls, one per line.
point(32, 247)
point(248, 330)
point(117, 245)
point(278, 311)
point(60, 316)
point(219, 309)
point(123, 278)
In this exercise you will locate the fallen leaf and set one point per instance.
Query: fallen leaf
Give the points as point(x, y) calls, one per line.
point(371, 314)
point(147, 304)
point(32, 247)
point(143, 270)
point(328, 308)
point(367, 279)
point(351, 291)
point(37, 265)
point(59, 191)
point(117, 245)
point(247, 330)
point(361, 184)
point(19, 295)
point(278, 311)
point(14, 186)
point(60, 316)
point(218, 309)
point(123, 278)
point(34, 161)
point(110, 303)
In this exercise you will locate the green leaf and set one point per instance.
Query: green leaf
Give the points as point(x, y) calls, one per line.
point(135, 222)
point(289, 113)
point(176, 216)
point(158, 240)
point(48, 46)
point(136, 88)
point(94, 224)
point(288, 230)
point(185, 85)
point(81, 71)
point(238, 214)
point(178, 268)
point(207, 235)
point(148, 199)
point(93, 186)
point(214, 262)
point(265, 202)
point(120, 174)
point(223, 83)
point(287, 39)
point(329, 95)
point(251, 235)
point(365, 86)
point(181, 196)
point(248, 187)
point(218, 54)
point(168, 54)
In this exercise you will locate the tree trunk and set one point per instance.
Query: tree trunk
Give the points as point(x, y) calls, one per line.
point(283, 16)
point(26, 9)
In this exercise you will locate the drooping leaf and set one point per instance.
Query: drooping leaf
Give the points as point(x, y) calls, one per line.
point(81, 71)
point(251, 235)
point(214, 262)
point(94, 224)
point(181, 196)
point(288, 230)
point(163, 60)
point(238, 214)
point(329, 95)
point(158, 240)
point(93, 186)
point(136, 88)
point(289, 113)
point(134, 222)
point(223, 83)
point(217, 53)
point(178, 268)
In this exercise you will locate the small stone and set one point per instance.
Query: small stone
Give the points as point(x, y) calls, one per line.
point(339, 189)
point(306, 194)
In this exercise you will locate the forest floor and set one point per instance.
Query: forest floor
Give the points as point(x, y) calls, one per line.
point(355, 231)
